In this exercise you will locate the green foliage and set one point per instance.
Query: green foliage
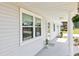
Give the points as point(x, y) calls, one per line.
point(75, 18)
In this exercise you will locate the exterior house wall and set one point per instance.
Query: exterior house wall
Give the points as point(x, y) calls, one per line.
point(10, 33)
point(52, 20)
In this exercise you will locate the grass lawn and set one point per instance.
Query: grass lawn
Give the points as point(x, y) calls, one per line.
point(76, 31)
point(64, 32)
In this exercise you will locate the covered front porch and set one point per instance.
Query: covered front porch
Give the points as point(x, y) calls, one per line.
point(25, 27)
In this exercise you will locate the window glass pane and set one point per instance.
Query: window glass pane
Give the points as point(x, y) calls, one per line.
point(48, 27)
point(37, 21)
point(53, 27)
point(37, 31)
point(27, 33)
point(27, 20)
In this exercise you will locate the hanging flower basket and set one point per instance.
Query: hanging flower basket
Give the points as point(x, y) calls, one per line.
point(75, 18)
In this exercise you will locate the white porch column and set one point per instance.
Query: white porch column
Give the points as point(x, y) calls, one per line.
point(70, 35)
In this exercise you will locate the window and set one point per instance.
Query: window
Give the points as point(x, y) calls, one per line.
point(37, 27)
point(48, 27)
point(27, 26)
point(30, 25)
point(53, 27)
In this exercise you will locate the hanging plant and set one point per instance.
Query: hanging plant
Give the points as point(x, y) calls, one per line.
point(75, 18)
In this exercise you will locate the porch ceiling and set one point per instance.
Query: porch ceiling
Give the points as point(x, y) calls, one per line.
point(49, 7)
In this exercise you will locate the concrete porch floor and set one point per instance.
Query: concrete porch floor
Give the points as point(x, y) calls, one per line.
point(55, 49)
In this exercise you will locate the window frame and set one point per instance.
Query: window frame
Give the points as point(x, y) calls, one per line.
point(21, 26)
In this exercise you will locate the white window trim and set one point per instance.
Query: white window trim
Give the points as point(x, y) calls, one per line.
point(34, 15)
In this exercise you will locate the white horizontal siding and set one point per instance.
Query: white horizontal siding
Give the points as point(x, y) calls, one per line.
point(10, 31)
point(9, 28)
